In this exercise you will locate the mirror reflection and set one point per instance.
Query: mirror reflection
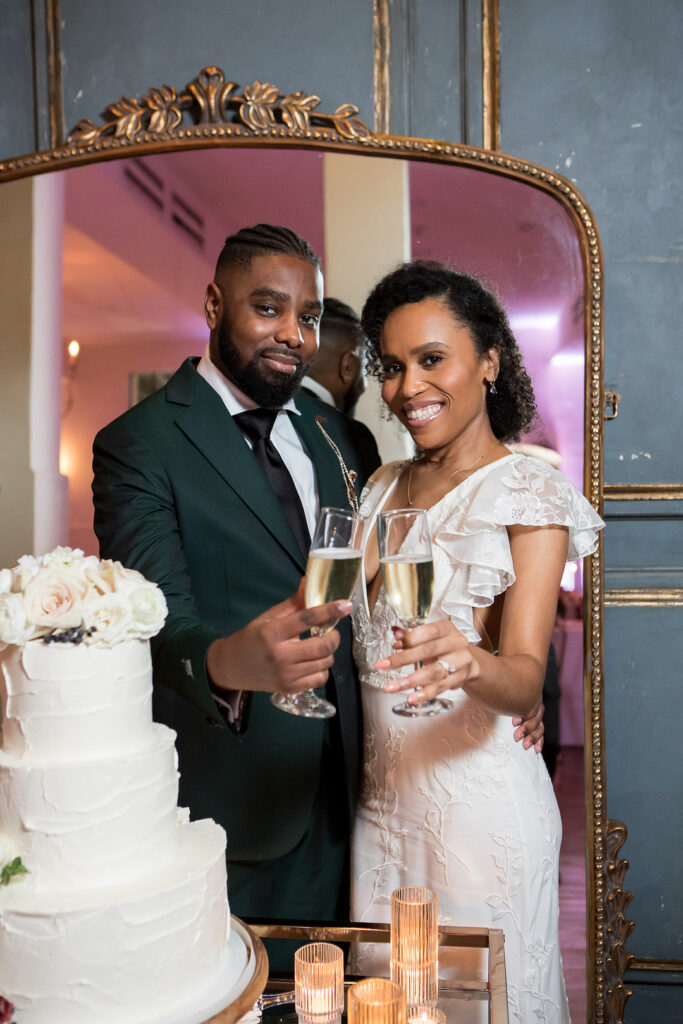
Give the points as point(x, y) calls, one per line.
point(140, 240)
point(140, 237)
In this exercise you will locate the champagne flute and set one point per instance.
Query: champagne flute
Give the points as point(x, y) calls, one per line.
point(405, 558)
point(332, 570)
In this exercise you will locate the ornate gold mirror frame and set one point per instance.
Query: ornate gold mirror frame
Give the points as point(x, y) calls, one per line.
point(212, 111)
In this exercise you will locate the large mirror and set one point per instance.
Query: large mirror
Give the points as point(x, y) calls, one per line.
point(139, 241)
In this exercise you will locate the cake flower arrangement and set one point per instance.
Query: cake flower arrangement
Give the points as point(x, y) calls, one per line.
point(68, 597)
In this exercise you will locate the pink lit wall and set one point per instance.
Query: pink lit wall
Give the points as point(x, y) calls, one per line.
point(97, 394)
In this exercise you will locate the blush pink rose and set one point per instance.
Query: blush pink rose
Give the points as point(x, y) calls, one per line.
point(54, 598)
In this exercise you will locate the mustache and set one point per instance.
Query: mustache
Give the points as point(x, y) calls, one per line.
point(283, 351)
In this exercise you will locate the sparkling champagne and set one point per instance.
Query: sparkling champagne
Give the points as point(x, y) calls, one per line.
point(409, 584)
point(331, 575)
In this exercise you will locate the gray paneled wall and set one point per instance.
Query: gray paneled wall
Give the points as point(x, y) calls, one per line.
point(593, 90)
point(110, 49)
point(644, 652)
point(17, 96)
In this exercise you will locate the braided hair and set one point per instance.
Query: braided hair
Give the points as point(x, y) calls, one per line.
point(240, 248)
point(513, 407)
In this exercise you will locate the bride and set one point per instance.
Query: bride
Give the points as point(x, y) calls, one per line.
point(453, 802)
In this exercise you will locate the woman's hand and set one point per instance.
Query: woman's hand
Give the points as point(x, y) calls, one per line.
point(448, 660)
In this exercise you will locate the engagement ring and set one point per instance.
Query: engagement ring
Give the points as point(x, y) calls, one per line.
point(450, 669)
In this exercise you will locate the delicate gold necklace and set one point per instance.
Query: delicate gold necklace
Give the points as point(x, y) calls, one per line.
point(466, 470)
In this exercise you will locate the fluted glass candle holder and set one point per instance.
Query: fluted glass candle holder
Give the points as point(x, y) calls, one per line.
point(376, 1001)
point(415, 944)
point(425, 1015)
point(319, 982)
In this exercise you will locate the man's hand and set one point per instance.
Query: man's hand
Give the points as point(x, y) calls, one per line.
point(269, 654)
point(530, 730)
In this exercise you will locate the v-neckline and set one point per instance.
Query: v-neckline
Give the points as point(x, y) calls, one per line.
point(385, 497)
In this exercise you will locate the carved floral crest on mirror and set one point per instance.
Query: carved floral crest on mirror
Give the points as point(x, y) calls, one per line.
point(212, 111)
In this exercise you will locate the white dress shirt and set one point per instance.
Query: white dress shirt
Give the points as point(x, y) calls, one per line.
point(310, 384)
point(283, 436)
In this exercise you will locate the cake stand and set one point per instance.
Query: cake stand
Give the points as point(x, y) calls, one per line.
point(235, 992)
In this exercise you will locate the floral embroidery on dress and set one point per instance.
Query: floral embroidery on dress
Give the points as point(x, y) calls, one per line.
point(453, 802)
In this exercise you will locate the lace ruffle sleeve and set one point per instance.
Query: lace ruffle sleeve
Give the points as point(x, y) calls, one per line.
point(472, 558)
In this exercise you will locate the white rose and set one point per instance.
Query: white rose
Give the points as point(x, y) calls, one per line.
point(148, 610)
point(26, 569)
point(110, 616)
point(100, 581)
point(6, 578)
point(125, 580)
point(63, 556)
point(14, 628)
point(54, 598)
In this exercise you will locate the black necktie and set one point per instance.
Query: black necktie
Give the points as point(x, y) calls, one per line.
point(256, 424)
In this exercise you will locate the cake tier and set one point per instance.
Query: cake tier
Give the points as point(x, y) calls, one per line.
point(67, 702)
point(124, 953)
point(93, 821)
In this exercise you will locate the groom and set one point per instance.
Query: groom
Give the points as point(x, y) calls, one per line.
point(181, 495)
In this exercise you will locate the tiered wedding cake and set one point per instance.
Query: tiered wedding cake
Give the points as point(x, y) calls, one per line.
point(113, 906)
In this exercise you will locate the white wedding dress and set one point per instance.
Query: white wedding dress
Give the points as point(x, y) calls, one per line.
point(453, 802)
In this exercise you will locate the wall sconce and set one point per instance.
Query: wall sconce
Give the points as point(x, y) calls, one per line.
point(73, 349)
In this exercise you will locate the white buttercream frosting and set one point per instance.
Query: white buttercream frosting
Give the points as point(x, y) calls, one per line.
point(92, 822)
point(63, 702)
point(120, 953)
point(124, 911)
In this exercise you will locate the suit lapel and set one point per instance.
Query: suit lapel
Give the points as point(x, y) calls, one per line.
point(203, 419)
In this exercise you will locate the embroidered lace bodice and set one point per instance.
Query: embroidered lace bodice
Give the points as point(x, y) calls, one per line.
point(452, 802)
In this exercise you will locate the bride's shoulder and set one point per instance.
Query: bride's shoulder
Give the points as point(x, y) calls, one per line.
point(525, 490)
point(520, 471)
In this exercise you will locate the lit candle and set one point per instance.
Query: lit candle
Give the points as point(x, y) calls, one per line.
point(319, 982)
point(414, 943)
point(376, 1001)
point(425, 1015)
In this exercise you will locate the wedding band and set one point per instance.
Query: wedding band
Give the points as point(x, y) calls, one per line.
point(450, 669)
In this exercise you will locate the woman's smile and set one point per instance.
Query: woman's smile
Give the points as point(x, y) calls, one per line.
point(417, 414)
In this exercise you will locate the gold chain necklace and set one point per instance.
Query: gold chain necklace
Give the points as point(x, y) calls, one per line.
point(466, 470)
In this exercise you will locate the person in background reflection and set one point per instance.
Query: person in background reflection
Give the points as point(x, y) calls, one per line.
point(335, 375)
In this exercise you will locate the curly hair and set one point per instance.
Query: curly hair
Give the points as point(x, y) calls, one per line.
point(512, 408)
point(240, 248)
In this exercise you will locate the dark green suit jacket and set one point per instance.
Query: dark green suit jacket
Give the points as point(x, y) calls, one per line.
point(179, 496)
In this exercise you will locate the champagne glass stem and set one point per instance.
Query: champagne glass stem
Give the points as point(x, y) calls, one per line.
point(424, 708)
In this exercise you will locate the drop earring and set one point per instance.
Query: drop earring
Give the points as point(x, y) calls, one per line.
point(493, 390)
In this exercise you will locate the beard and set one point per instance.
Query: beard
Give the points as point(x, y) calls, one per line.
point(270, 392)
